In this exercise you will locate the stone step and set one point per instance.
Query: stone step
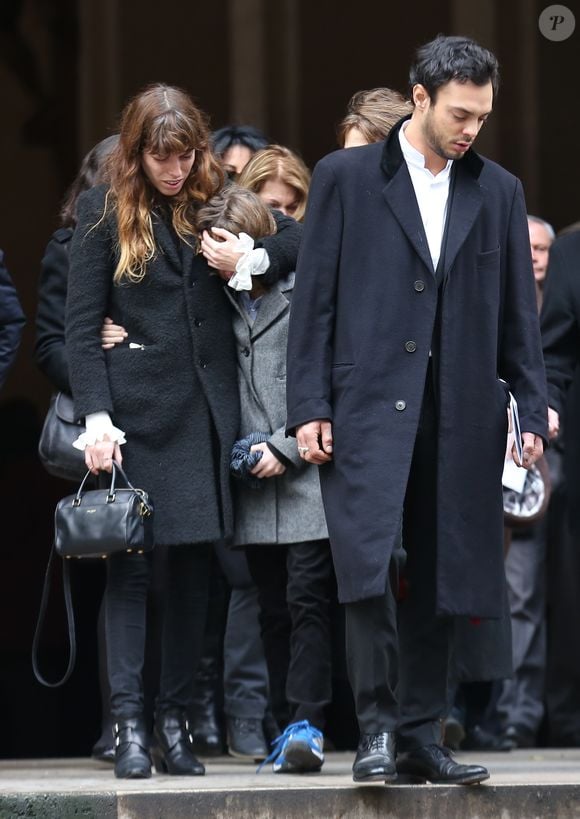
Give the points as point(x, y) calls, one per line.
point(536, 784)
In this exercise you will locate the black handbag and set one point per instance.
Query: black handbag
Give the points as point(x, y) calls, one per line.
point(55, 445)
point(93, 524)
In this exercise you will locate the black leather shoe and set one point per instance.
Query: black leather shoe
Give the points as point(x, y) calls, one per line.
point(432, 763)
point(172, 752)
point(132, 760)
point(478, 739)
point(246, 738)
point(375, 758)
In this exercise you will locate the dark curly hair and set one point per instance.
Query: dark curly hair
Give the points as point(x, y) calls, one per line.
point(453, 58)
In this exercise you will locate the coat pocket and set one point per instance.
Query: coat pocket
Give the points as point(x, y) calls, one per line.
point(488, 258)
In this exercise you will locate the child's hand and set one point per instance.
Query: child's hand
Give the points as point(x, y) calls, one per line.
point(268, 466)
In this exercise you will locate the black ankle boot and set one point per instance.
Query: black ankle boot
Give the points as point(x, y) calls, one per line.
point(132, 760)
point(172, 753)
point(205, 727)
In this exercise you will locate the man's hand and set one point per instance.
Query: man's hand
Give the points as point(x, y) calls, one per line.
point(533, 448)
point(553, 423)
point(268, 466)
point(314, 441)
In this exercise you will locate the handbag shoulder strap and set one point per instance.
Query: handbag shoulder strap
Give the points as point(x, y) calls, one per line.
point(42, 616)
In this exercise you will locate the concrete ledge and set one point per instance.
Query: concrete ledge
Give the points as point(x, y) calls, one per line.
point(523, 785)
point(367, 802)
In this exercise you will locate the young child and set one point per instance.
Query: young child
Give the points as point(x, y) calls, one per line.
point(281, 523)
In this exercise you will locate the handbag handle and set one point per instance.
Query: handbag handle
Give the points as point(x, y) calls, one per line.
point(111, 496)
point(72, 655)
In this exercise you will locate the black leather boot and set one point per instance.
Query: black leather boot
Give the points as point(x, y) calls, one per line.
point(172, 751)
point(132, 760)
point(205, 728)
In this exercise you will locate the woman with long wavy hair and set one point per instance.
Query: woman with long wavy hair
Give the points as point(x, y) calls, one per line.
point(169, 390)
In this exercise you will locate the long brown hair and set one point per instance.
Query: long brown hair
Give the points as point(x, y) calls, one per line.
point(278, 162)
point(160, 120)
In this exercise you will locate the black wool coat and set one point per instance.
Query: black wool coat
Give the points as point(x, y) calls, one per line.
point(11, 321)
point(49, 349)
point(361, 329)
point(172, 386)
point(560, 323)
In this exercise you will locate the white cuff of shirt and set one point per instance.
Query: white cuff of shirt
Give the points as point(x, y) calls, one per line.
point(254, 262)
point(98, 425)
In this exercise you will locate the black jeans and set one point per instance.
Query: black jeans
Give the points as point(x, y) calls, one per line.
point(184, 602)
point(295, 586)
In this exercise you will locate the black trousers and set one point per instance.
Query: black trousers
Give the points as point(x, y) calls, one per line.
point(184, 597)
point(399, 654)
point(295, 587)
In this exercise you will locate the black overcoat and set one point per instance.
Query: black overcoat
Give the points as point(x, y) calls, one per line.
point(174, 393)
point(560, 323)
point(361, 329)
point(11, 321)
point(49, 349)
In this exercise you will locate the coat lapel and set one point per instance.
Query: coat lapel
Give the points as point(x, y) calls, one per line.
point(401, 199)
point(274, 303)
point(166, 244)
point(466, 203)
point(400, 195)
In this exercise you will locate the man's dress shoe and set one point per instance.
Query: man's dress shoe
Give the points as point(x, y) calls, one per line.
point(432, 763)
point(375, 758)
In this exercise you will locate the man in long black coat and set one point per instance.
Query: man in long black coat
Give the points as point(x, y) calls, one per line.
point(11, 321)
point(414, 305)
point(560, 322)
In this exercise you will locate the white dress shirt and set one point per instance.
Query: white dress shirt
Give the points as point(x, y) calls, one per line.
point(432, 194)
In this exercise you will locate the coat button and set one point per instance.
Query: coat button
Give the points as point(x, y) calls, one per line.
point(246, 351)
point(400, 405)
point(198, 322)
point(419, 286)
point(410, 346)
point(202, 363)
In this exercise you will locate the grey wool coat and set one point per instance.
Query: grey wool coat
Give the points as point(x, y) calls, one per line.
point(364, 311)
point(288, 508)
point(174, 393)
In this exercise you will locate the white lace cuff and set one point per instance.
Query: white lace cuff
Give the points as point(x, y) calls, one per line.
point(98, 425)
point(254, 262)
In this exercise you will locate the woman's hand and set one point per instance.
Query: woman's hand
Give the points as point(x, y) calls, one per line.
point(268, 466)
point(112, 334)
point(99, 457)
point(222, 255)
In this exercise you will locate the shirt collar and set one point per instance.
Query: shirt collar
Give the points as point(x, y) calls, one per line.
point(415, 158)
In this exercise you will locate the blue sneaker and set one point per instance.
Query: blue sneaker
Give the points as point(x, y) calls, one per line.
point(297, 750)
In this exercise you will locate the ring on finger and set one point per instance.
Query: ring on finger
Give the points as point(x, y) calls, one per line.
point(303, 449)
